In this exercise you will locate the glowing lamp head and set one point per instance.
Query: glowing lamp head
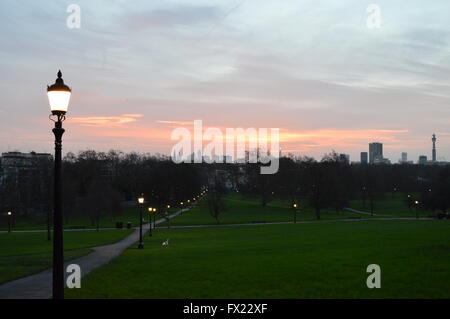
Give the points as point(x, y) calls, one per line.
point(168, 206)
point(150, 209)
point(295, 205)
point(59, 96)
point(9, 213)
point(141, 200)
point(181, 203)
point(416, 202)
point(154, 209)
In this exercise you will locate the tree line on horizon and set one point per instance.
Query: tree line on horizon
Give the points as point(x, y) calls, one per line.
point(96, 184)
point(330, 183)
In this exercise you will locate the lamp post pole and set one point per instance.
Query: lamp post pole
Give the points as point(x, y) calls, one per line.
point(409, 203)
point(141, 244)
point(59, 97)
point(295, 216)
point(49, 235)
point(141, 205)
point(167, 216)
point(150, 210)
point(9, 221)
point(58, 249)
point(417, 204)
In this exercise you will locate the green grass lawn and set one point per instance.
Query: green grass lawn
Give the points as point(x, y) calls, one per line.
point(130, 214)
point(316, 260)
point(23, 254)
point(394, 204)
point(239, 209)
point(247, 210)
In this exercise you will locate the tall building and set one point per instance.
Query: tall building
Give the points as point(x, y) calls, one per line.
point(433, 139)
point(404, 157)
point(25, 180)
point(364, 158)
point(422, 160)
point(375, 152)
point(14, 164)
point(344, 158)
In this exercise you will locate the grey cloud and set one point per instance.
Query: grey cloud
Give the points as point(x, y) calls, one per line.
point(163, 18)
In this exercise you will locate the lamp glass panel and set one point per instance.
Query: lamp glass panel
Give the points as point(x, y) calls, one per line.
point(59, 100)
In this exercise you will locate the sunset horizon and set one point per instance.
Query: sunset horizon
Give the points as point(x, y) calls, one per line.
point(138, 73)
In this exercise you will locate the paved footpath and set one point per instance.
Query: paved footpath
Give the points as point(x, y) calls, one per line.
point(65, 230)
point(364, 213)
point(305, 222)
point(39, 286)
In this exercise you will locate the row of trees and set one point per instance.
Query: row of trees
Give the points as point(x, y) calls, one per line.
point(96, 183)
point(331, 183)
point(101, 182)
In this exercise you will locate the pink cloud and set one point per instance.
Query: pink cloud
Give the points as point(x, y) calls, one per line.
point(106, 121)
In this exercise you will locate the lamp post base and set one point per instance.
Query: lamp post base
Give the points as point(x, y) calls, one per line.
point(141, 246)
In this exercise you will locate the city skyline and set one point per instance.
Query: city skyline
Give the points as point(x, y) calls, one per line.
point(137, 74)
point(364, 157)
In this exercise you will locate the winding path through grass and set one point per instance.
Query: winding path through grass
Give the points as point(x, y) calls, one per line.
point(39, 286)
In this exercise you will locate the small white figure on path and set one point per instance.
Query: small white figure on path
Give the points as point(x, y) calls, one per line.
point(166, 243)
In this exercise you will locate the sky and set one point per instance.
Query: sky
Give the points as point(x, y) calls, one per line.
point(312, 68)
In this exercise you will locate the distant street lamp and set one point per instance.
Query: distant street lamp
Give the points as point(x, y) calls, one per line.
point(417, 205)
point(58, 97)
point(294, 207)
point(167, 218)
point(141, 204)
point(181, 205)
point(9, 221)
point(409, 201)
point(150, 211)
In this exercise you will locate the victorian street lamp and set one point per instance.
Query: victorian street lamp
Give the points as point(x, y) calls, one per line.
point(167, 218)
point(154, 218)
point(150, 211)
point(58, 97)
point(141, 203)
point(167, 215)
point(9, 221)
point(417, 205)
point(294, 207)
point(409, 201)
